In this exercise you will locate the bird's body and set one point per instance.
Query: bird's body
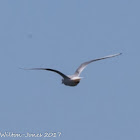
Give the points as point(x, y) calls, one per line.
point(71, 82)
point(74, 79)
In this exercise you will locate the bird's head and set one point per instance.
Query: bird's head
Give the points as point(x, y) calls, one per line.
point(77, 78)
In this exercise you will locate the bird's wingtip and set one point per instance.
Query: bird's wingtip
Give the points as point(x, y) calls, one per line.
point(117, 54)
point(21, 68)
point(25, 68)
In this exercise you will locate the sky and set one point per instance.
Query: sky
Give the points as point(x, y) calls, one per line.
point(61, 34)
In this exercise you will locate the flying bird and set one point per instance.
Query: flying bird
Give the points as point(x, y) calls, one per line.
point(73, 80)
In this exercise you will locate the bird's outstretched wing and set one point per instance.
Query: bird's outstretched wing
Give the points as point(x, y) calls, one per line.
point(83, 65)
point(60, 73)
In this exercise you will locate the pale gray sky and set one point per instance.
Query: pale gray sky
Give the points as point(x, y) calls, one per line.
point(62, 34)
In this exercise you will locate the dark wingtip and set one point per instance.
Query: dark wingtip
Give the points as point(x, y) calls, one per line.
point(21, 68)
point(34, 69)
point(27, 68)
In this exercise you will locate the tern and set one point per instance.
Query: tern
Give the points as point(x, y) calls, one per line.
point(73, 80)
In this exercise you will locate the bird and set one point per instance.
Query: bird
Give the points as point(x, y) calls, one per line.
point(74, 80)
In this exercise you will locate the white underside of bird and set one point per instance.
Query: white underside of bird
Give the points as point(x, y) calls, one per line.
point(74, 79)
